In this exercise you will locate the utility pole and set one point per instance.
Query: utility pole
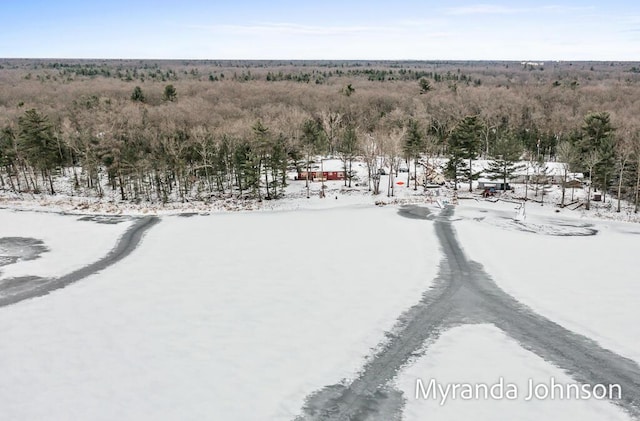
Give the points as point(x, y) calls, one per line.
point(322, 177)
point(526, 184)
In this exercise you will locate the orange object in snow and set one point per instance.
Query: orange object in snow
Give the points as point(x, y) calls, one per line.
point(400, 183)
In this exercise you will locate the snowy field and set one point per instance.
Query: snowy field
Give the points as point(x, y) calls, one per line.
point(234, 316)
point(549, 262)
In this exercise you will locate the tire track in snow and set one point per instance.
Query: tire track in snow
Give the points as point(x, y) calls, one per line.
point(37, 287)
point(464, 293)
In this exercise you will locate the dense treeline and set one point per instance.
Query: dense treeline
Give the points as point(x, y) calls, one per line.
point(198, 130)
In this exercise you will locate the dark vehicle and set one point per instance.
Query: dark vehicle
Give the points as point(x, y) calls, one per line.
point(489, 192)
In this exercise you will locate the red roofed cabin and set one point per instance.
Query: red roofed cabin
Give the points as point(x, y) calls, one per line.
point(329, 169)
point(319, 175)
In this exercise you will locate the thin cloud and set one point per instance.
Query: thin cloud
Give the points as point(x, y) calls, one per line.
point(286, 28)
point(492, 9)
point(481, 9)
point(422, 22)
point(633, 22)
point(292, 29)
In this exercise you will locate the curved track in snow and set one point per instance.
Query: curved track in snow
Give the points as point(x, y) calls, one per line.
point(37, 287)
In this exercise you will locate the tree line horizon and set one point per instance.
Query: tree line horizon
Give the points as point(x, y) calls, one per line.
point(162, 131)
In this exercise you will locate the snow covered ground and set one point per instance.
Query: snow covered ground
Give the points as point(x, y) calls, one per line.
point(296, 198)
point(549, 262)
point(480, 355)
point(72, 241)
point(235, 316)
point(241, 315)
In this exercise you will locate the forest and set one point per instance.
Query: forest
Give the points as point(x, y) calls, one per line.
point(163, 131)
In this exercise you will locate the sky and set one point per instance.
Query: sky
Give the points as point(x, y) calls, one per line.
point(327, 29)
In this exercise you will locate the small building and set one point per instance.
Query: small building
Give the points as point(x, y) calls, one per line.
point(319, 175)
point(550, 172)
point(493, 184)
point(327, 169)
point(573, 184)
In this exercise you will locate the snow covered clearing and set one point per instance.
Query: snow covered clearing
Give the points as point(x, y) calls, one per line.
point(480, 355)
point(235, 316)
point(336, 195)
point(549, 262)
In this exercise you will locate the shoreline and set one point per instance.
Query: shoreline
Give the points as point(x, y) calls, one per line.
point(293, 200)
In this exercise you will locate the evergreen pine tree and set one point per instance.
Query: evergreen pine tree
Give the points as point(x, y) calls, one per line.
point(137, 95)
point(464, 145)
point(414, 144)
point(170, 93)
point(597, 138)
point(36, 140)
point(506, 152)
point(313, 140)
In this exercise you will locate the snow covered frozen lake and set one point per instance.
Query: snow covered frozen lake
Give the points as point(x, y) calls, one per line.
point(551, 263)
point(245, 315)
